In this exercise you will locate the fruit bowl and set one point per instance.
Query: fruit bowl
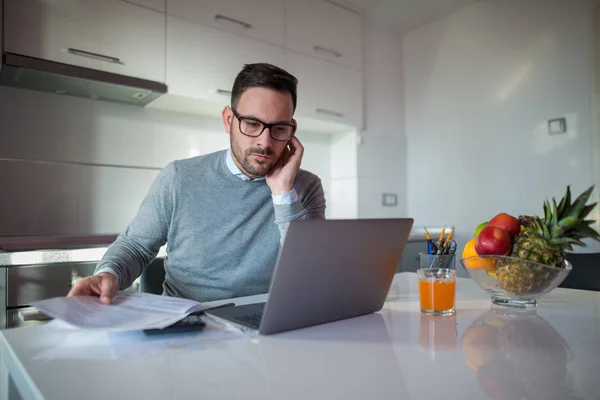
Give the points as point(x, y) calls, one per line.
point(511, 281)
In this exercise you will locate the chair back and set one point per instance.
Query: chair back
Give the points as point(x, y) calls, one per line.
point(586, 272)
point(153, 276)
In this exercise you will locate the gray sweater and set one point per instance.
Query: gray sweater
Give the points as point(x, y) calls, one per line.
point(223, 233)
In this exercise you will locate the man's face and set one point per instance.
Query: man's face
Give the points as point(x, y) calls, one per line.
point(255, 156)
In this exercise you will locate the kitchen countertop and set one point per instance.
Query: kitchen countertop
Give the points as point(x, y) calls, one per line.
point(11, 244)
point(33, 250)
point(398, 353)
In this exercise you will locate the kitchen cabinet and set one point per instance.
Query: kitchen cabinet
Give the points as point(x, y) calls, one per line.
point(263, 20)
point(325, 30)
point(158, 5)
point(327, 91)
point(202, 62)
point(112, 35)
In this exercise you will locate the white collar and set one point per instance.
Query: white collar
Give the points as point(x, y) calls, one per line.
point(234, 168)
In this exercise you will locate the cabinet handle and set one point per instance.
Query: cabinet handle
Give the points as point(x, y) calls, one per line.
point(243, 24)
point(223, 92)
point(321, 49)
point(329, 112)
point(95, 56)
point(32, 315)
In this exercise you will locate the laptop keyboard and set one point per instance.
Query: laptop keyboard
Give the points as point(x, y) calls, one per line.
point(252, 321)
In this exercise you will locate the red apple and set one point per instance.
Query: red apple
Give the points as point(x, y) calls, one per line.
point(493, 241)
point(507, 222)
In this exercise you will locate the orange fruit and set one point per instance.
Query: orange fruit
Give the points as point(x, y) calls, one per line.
point(469, 250)
point(476, 263)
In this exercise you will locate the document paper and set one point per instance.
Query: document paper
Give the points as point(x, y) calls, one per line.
point(128, 311)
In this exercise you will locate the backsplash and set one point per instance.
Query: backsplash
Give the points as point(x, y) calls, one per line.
point(76, 166)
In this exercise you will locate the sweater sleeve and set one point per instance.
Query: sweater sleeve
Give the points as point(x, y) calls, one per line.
point(309, 205)
point(139, 244)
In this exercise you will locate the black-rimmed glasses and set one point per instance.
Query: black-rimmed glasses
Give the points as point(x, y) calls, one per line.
point(253, 127)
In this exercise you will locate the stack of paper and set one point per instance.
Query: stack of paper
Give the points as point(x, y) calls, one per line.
point(128, 311)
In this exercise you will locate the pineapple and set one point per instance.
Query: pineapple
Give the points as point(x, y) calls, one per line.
point(544, 241)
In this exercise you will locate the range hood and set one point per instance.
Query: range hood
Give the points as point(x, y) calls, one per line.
point(49, 76)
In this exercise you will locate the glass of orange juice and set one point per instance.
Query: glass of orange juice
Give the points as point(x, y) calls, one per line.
point(437, 289)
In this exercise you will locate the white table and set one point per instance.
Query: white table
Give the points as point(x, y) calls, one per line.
point(397, 353)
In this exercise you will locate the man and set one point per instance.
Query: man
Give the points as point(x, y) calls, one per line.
point(223, 214)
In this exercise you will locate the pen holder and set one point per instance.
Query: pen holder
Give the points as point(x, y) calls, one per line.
point(437, 261)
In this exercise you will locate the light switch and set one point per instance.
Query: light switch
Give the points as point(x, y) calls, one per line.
point(557, 126)
point(389, 199)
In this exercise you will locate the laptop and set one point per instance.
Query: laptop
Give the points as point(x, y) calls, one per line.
point(327, 270)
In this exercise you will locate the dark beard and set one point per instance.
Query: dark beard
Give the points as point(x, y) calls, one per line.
point(250, 167)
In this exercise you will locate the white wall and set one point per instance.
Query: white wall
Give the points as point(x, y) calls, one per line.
point(344, 176)
point(76, 166)
point(480, 86)
point(381, 156)
point(596, 109)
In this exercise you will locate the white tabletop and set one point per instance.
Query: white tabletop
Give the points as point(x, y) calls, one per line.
point(397, 353)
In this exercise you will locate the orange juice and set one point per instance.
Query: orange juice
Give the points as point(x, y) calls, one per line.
point(436, 294)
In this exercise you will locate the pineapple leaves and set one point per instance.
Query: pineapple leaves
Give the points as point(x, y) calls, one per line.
point(579, 203)
point(588, 231)
point(565, 201)
point(579, 243)
point(566, 243)
point(563, 225)
point(549, 216)
point(569, 222)
point(587, 209)
point(545, 231)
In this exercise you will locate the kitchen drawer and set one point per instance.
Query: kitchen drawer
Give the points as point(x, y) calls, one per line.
point(202, 62)
point(326, 30)
point(262, 20)
point(327, 92)
point(111, 35)
point(28, 284)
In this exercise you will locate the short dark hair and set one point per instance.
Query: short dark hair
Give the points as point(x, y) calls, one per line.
point(263, 75)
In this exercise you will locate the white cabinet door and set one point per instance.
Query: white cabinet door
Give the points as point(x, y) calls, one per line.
point(325, 30)
point(159, 5)
point(326, 91)
point(262, 20)
point(110, 35)
point(202, 62)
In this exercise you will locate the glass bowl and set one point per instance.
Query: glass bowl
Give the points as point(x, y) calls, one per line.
point(511, 281)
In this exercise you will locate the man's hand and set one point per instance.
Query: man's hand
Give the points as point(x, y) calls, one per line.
point(104, 285)
point(281, 177)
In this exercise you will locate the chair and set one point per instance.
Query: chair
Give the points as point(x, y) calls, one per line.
point(153, 276)
point(586, 272)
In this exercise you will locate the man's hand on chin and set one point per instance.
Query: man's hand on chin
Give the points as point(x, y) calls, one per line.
point(281, 177)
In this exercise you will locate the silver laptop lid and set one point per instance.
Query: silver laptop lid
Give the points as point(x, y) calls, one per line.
point(333, 269)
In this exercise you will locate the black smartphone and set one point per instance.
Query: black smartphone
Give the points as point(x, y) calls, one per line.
point(191, 323)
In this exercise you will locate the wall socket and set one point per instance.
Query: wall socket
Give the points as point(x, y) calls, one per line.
point(389, 199)
point(557, 126)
